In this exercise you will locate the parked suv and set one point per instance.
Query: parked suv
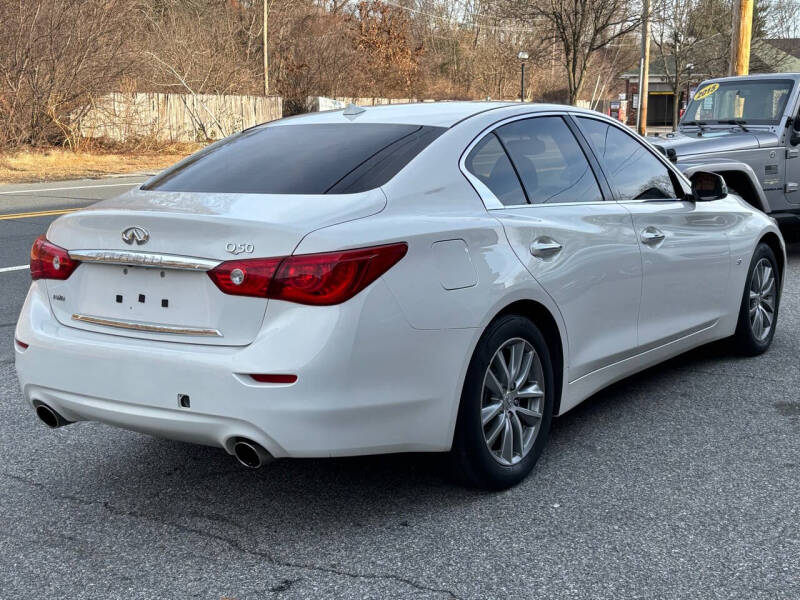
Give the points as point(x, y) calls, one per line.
point(747, 129)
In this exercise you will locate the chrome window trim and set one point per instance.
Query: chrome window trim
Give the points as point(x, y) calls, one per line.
point(643, 200)
point(490, 201)
point(144, 259)
point(147, 327)
point(545, 204)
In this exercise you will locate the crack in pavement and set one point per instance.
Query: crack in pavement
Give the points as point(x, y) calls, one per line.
point(233, 543)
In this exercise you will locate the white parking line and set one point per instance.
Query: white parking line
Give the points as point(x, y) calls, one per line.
point(17, 268)
point(74, 187)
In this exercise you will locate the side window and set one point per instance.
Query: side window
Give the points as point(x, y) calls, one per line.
point(633, 170)
point(489, 163)
point(549, 160)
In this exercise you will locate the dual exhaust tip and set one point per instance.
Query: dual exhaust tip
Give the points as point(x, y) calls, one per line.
point(250, 454)
point(50, 417)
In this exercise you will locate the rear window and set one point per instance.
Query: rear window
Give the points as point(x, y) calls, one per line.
point(323, 158)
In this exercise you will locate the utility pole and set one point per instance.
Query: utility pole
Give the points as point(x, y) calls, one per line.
point(740, 40)
point(644, 70)
point(266, 47)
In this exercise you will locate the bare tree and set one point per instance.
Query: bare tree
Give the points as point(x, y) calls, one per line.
point(55, 54)
point(580, 27)
point(689, 37)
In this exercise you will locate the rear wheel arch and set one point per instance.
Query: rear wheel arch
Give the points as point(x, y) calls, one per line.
point(544, 320)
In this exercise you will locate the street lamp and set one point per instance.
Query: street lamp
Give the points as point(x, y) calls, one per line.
point(689, 70)
point(523, 56)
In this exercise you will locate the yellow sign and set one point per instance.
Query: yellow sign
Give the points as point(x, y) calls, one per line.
point(706, 91)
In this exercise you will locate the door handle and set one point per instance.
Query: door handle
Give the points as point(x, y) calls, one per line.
point(545, 247)
point(652, 236)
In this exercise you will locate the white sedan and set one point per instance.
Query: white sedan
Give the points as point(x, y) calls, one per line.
point(428, 278)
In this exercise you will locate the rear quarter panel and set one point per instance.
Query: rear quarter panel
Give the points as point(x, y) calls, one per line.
point(429, 202)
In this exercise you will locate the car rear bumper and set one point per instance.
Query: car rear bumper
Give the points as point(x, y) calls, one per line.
point(367, 381)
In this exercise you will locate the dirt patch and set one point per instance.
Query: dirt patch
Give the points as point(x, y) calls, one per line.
point(57, 164)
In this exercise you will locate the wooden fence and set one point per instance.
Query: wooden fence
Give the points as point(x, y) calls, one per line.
point(318, 103)
point(174, 117)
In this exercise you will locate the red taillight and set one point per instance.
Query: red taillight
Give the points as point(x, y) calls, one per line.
point(248, 277)
point(49, 261)
point(333, 277)
point(22, 345)
point(266, 378)
point(317, 279)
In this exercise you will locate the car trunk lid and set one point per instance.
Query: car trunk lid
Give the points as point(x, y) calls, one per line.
point(154, 284)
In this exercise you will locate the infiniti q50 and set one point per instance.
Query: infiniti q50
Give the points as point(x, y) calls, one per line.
point(432, 277)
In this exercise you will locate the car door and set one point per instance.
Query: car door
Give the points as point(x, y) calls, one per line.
point(539, 182)
point(685, 250)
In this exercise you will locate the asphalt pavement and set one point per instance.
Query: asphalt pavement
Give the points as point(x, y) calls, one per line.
point(680, 482)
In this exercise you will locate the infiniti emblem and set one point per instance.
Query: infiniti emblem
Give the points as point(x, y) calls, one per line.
point(135, 234)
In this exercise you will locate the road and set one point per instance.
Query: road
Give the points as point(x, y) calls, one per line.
point(681, 482)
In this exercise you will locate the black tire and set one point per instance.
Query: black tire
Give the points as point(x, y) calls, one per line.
point(745, 340)
point(470, 456)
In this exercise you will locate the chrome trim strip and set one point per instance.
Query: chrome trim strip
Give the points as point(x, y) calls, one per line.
point(144, 259)
point(148, 327)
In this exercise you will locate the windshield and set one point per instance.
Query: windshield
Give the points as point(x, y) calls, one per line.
point(754, 102)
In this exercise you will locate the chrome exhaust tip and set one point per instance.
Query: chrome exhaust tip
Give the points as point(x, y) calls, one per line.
point(250, 454)
point(50, 417)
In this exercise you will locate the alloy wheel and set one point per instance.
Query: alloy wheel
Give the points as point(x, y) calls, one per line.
point(512, 402)
point(763, 296)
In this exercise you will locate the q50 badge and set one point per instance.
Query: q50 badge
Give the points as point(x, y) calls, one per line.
point(234, 248)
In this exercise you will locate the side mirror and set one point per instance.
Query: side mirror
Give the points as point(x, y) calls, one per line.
point(794, 138)
point(708, 186)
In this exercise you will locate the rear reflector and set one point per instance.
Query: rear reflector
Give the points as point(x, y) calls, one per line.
point(49, 261)
point(21, 345)
point(316, 279)
point(264, 378)
point(248, 277)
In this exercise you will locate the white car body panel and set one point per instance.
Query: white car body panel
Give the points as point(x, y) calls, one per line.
point(383, 371)
point(595, 280)
point(685, 276)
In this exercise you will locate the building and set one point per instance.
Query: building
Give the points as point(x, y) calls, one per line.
point(660, 97)
point(775, 56)
point(766, 56)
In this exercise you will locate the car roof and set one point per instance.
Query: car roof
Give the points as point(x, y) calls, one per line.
point(773, 76)
point(437, 114)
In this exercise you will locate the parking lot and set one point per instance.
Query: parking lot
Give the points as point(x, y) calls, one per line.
point(681, 482)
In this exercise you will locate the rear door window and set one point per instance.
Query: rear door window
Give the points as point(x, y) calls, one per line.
point(550, 161)
point(315, 158)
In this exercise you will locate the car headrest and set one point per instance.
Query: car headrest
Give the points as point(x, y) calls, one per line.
point(527, 147)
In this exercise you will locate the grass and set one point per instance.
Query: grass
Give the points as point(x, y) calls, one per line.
point(53, 164)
